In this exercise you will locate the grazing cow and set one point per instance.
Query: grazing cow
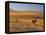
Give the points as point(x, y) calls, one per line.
point(34, 20)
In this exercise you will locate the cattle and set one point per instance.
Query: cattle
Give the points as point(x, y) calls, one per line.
point(34, 21)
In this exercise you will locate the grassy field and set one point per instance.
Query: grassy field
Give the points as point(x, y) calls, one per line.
point(22, 21)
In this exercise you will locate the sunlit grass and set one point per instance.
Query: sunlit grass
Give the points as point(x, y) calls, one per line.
point(24, 23)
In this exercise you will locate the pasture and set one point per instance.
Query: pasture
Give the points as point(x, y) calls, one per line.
point(19, 22)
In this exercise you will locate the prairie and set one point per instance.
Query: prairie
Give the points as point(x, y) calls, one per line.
point(22, 21)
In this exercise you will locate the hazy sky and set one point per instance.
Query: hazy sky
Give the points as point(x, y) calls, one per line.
point(26, 7)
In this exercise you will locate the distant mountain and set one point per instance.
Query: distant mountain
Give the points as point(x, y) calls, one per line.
point(11, 10)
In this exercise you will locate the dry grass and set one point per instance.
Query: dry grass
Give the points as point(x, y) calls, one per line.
point(19, 23)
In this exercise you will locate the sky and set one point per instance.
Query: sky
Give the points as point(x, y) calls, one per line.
point(26, 7)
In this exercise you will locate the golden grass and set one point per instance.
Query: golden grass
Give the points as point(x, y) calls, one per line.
point(24, 23)
point(26, 13)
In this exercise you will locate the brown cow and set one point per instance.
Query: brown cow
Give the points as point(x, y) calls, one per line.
point(34, 20)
